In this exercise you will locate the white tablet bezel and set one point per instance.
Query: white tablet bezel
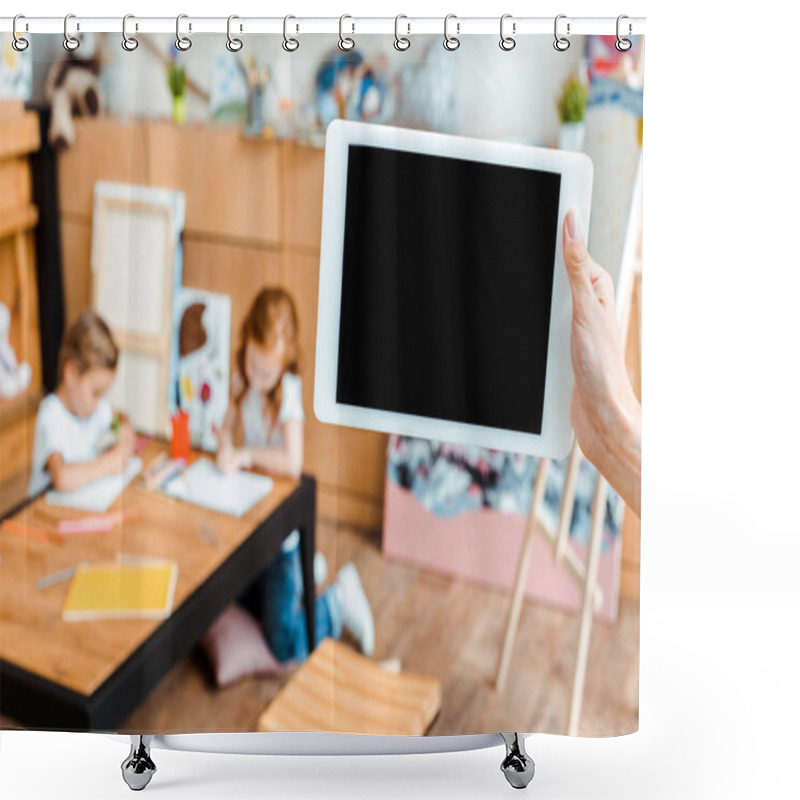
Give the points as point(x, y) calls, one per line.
point(576, 191)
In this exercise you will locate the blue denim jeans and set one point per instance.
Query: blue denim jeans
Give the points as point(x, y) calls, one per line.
point(275, 598)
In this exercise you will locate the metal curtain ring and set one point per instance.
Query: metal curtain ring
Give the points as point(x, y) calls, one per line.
point(623, 45)
point(507, 42)
point(451, 42)
point(183, 43)
point(233, 44)
point(289, 44)
point(19, 43)
point(401, 43)
point(561, 43)
point(129, 43)
point(70, 42)
point(345, 42)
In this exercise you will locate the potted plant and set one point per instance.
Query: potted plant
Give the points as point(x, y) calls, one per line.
point(571, 108)
point(176, 79)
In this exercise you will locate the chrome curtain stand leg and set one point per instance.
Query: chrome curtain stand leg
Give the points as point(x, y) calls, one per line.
point(517, 766)
point(138, 768)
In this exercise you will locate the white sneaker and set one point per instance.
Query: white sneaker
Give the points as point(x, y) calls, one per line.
point(320, 568)
point(291, 542)
point(356, 613)
point(392, 665)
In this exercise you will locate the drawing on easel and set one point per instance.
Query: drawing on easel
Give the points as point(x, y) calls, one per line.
point(201, 342)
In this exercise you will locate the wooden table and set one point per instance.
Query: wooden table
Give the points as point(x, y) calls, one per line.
point(91, 675)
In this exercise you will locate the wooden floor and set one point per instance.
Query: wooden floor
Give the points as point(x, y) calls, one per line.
point(441, 627)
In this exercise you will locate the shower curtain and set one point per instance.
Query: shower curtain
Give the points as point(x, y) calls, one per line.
point(230, 562)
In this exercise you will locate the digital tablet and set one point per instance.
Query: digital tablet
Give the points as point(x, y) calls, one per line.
point(444, 307)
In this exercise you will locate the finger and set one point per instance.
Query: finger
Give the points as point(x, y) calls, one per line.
point(579, 264)
point(603, 286)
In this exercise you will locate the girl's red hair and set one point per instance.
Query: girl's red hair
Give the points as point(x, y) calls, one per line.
point(272, 317)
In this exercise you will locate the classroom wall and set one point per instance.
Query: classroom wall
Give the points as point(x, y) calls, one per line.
point(502, 95)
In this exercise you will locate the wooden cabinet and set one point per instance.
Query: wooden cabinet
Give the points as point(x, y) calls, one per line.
point(253, 217)
point(232, 184)
point(19, 136)
point(302, 192)
point(104, 149)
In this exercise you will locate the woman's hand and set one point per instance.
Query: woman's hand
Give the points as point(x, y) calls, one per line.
point(606, 416)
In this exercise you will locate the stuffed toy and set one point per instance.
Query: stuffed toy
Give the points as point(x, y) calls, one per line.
point(72, 88)
point(14, 377)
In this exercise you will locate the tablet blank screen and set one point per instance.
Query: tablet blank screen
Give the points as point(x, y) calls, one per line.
point(447, 282)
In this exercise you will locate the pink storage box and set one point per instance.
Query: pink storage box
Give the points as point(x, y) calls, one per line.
point(484, 546)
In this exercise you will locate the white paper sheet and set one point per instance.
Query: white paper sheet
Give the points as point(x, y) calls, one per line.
point(100, 494)
point(204, 485)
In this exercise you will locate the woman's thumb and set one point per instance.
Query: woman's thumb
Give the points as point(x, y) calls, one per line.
point(577, 259)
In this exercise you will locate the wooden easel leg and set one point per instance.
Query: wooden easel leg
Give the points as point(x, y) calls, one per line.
point(138, 768)
point(567, 503)
point(587, 604)
point(522, 574)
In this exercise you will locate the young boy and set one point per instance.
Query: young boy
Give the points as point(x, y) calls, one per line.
point(72, 421)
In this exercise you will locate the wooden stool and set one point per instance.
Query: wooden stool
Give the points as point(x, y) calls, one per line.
point(338, 690)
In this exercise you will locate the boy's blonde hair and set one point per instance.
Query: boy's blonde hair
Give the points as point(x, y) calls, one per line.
point(88, 343)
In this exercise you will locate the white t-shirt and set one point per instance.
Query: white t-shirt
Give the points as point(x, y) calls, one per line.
point(60, 431)
point(255, 422)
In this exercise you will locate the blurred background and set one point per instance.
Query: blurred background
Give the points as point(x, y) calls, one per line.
point(239, 138)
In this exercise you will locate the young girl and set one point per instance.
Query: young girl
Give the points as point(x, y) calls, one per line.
point(267, 399)
point(73, 420)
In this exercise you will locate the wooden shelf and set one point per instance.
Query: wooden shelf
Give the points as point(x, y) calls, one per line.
point(18, 220)
point(19, 136)
point(13, 409)
point(20, 130)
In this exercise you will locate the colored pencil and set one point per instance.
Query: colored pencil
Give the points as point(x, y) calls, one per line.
point(98, 523)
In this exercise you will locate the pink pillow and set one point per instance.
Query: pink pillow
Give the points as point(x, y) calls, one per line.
point(236, 648)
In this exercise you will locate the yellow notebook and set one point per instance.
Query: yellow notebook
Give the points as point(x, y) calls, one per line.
point(140, 589)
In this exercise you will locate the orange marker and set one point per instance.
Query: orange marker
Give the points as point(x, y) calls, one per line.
point(22, 530)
